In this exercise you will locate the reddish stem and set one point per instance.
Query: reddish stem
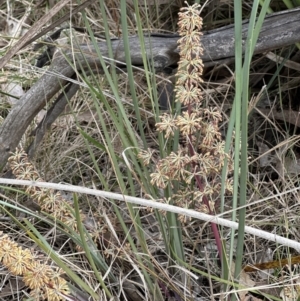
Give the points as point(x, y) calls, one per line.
point(201, 187)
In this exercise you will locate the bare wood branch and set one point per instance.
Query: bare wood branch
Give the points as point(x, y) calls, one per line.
point(51, 115)
point(278, 30)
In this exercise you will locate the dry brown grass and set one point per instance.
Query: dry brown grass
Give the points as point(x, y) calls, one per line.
point(64, 157)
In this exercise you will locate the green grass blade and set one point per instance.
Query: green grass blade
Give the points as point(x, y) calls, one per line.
point(84, 236)
point(43, 244)
point(253, 33)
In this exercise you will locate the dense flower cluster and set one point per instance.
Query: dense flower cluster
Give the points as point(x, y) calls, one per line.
point(50, 201)
point(202, 157)
point(60, 209)
point(44, 282)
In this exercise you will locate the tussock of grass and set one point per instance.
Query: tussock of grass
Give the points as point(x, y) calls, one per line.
point(134, 252)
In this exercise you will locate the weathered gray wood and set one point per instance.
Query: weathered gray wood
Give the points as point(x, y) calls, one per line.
point(278, 30)
point(51, 115)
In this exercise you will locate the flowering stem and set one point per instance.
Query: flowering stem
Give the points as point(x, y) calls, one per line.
point(201, 186)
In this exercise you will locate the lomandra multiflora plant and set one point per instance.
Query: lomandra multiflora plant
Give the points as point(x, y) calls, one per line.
point(200, 160)
point(50, 201)
point(44, 282)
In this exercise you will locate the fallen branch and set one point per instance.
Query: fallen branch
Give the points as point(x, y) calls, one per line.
point(166, 207)
point(279, 30)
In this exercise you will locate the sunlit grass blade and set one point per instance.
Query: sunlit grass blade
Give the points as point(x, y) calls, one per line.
point(240, 119)
point(253, 33)
point(43, 244)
